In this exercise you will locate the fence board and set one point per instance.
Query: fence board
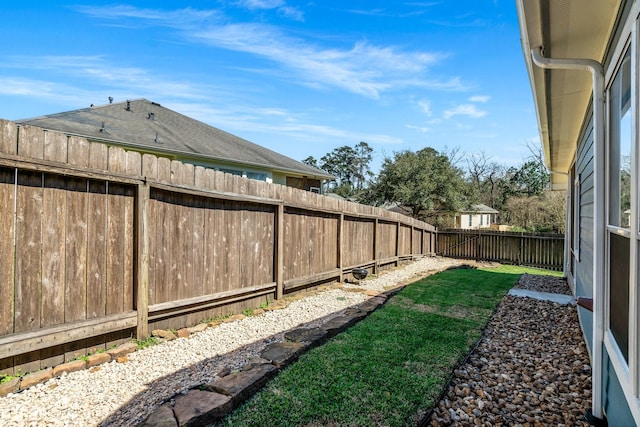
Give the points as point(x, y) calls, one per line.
point(55, 147)
point(76, 250)
point(7, 229)
point(53, 251)
point(8, 137)
point(28, 262)
point(531, 249)
point(96, 249)
point(31, 142)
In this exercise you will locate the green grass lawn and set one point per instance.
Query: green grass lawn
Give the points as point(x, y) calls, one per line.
point(391, 365)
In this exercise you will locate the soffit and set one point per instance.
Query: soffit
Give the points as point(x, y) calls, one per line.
point(564, 29)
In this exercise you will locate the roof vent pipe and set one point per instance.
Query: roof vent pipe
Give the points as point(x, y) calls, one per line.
point(597, 74)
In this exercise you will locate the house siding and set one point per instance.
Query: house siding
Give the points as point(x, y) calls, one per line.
point(583, 279)
point(615, 405)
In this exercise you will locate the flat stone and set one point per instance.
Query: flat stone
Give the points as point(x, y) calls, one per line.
point(276, 306)
point(338, 324)
point(200, 408)
point(122, 350)
point(183, 333)
point(282, 354)
point(161, 417)
point(311, 335)
point(73, 366)
point(559, 298)
point(356, 313)
point(258, 311)
point(372, 304)
point(161, 333)
point(256, 361)
point(98, 359)
point(10, 386)
point(242, 385)
point(36, 378)
point(234, 318)
point(198, 328)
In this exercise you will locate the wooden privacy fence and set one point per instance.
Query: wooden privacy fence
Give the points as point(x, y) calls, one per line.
point(100, 244)
point(542, 250)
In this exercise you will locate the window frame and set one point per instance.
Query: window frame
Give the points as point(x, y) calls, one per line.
point(627, 371)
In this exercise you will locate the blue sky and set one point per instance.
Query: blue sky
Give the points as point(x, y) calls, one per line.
point(298, 77)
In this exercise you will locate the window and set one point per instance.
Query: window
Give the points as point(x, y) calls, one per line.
point(470, 220)
point(620, 147)
point(481, 219)
point(619, 204)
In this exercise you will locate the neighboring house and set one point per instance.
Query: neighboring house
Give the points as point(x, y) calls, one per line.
point(476, 217)
point(584, 67)
point(148, 127)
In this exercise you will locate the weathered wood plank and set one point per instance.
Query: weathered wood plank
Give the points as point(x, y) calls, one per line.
point(28, 274)
point(314, 278)
point(53, 258)
point(55, 146)
point(208, 245)
point(142, 257)
point(205, 299)
point(53, 251)
point(129, 218)
point(32, 341)
point(117, 160)
point(31, 142)
point(75, 290)
point(96, 249)
point(8, 137)
point(115, 249)
point(133, 163)
point(98, 156)
point(28, 252)
point(78, 152)
point(7, 230)
point(149, 166)
point(279, 251)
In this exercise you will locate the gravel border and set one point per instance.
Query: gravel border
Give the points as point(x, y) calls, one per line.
point(124, 394)
point(530, 368)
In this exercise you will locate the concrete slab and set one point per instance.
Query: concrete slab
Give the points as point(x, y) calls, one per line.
point(559, 298)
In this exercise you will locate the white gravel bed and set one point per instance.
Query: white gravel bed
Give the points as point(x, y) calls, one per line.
point(123, 394)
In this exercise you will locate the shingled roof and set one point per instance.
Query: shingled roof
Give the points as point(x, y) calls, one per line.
point(153, 128)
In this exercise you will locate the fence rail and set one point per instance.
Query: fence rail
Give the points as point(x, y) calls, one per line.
point(100, 244)
point(542, 250)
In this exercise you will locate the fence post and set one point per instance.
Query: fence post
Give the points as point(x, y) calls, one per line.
point(397, 243)
point(376, 258)
point(279, 252)
point(339, 246)
point(142, 261)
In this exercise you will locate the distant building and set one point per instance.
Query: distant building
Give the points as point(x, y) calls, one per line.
point(476, 217)
point(148, 127)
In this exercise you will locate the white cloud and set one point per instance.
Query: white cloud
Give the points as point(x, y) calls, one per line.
point(426, 107)
point(291, 13)
point(422, 129)
point(179, 18)
point(261, 4)
point(469, 110)
point(361, 68)
point(480, 98)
